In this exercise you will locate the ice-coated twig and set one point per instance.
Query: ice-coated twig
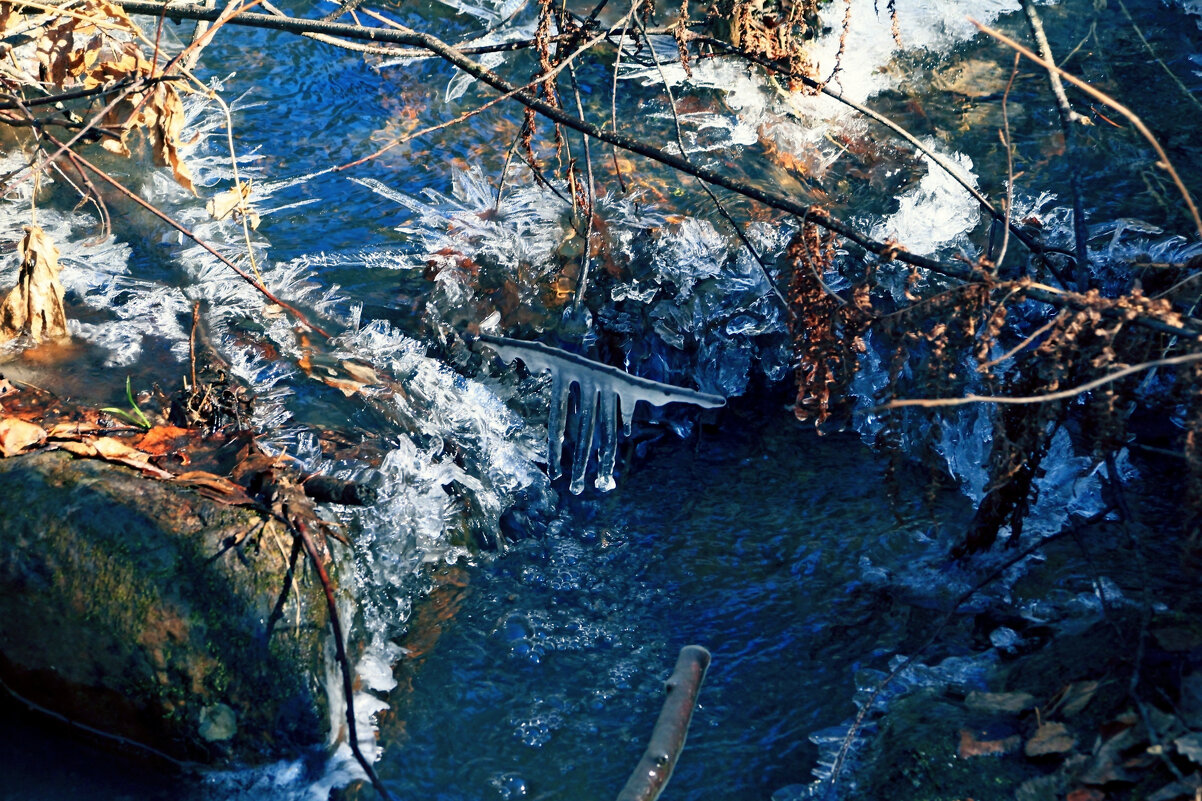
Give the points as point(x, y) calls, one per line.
point(607, 397)
point(651, 775)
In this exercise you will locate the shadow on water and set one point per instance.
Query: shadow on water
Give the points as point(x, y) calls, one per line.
point(37, 762)
point(546, 678)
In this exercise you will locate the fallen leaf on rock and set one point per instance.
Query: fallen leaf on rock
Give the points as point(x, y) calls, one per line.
point(215, 487)
point(112, 450)
point(17, 435)
point(1077, 696)
point(1050, 738)
point(1106, 765)
point(162, 440)
point(999, 703)
point(970, 746)
point(73, 430)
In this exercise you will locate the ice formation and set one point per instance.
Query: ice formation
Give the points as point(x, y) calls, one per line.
point(607, 397)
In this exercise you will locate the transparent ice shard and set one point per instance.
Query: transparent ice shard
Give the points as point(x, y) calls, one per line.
point(607, 396)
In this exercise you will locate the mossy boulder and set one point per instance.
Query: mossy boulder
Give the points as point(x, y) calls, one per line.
point(145, 610)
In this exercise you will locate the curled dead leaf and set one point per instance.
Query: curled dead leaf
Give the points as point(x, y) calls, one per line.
point(162, 440)
point(999, 703)
point(234, 199)
point(216, 488)
point(17, 436)
point(35, 305)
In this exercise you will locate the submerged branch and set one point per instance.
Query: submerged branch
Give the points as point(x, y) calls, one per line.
point(654, 770)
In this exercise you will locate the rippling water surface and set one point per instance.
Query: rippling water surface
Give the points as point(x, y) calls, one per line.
point(537, 672)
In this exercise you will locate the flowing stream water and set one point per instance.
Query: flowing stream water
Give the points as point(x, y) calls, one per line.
point(535, 671)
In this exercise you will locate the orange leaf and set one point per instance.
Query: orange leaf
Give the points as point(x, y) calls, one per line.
point(17, 436)
point(162, 440)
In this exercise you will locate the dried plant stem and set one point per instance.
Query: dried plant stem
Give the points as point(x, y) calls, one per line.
point(1006, 143)
point(1164, 163)
point(1068, 121)
point(1027, 340)
point(582, 284)
point(300, 530)
point(710, 192)
point(1155, 57)
point(113, 182)
point(930, 403)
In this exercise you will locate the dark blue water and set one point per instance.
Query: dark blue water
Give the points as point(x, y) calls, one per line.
point(538, 671)
point(548, 673)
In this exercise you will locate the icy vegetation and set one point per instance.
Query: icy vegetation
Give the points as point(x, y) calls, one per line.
point(605, 397)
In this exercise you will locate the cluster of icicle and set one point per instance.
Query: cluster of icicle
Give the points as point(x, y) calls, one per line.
point(606, 397)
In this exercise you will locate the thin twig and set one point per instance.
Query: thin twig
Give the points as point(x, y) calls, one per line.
point(1068, 118)
point(710, 192)
point(1027, 340)
point(930, 403)
point(1006, 143)
point(586, 256)
point(300, 530)
point(113, 182)
point(1155, 57)
point(1164, 163)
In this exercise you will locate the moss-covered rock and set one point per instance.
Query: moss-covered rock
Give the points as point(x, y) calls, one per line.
point(144, 610)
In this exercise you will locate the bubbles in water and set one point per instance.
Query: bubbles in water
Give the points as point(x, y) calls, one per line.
point(510, 786)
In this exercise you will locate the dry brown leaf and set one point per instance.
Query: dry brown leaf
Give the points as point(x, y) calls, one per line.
point(214, 486)
point(343, 385)
point(73, 430)
point(1078, 696)
point(222, 205)
point(360, 372)
point(1050, 738)
point(35, 305)
point(162, 440)
point(17, 436)
point(970, 746)
point(165, 132)
point(112, 450)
